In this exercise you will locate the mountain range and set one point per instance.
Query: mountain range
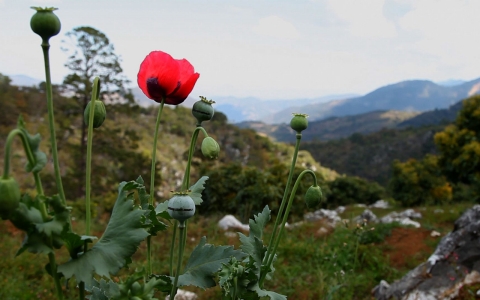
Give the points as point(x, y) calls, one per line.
point(407, 96)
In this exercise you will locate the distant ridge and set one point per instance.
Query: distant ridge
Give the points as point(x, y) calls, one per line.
point(410, 95)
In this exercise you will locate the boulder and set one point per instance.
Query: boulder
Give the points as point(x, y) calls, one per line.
point(380, 204)
point(455, 263)
point(230, 222)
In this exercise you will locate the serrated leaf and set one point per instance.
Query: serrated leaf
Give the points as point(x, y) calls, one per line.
point(264, 293)
point(152, 222)
point(204, 262)
point(40, 235)
point(120, 240)
point(197, 189)
point(253, 244)
point(258, 225)
point(142, 194)
point(60, 219)
point(103, 290)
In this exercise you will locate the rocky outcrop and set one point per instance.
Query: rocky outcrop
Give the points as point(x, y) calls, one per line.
point(455, 263)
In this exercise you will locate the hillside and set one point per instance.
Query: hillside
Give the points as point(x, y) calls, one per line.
point(371, 155)
point(334, 127)
point(122, 145)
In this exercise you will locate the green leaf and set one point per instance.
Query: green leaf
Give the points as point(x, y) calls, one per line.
point(265, 293)
point(40, 235)
point(162, 211)
point(234, 278)
point(120, 240)
point(253, 244)
point(152, 221)
point(197, 189)
point(204, 262)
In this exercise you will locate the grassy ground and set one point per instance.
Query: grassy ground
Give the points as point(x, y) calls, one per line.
point(345, 263)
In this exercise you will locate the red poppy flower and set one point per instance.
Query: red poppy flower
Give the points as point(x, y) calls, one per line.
point(162, 76)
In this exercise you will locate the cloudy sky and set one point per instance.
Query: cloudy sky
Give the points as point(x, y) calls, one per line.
point(267, 49)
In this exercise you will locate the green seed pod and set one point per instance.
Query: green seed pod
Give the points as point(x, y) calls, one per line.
point(313, 196)
point(99, 115)
point(45, 23)
point(210, 148)
point(203, 110)
point(9, 197)
point(181, 207)
point(299, 122)
point(137, 289)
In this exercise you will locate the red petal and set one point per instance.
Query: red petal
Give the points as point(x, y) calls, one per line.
point(162, 66)
point(185, 89)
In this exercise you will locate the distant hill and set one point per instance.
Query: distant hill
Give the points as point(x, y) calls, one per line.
point(255, 109)
point(433, 117)
point(24, 80)
point(334, 127)
point(411, 95)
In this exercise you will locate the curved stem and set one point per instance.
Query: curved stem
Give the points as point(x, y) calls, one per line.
point(179, 260)
point(28, 153)
point(285, 194)
point(51, 122)
point(285, 217)
point(152, 182)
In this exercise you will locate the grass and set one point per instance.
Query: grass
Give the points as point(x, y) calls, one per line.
point(345, 264)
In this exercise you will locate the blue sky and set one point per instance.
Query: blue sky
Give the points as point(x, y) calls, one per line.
point(266, 49)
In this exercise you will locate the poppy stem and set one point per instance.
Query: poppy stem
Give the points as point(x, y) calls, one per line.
point(181, 245)
point(152, 182)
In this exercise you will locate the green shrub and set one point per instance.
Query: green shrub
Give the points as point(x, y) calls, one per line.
point(351, 190)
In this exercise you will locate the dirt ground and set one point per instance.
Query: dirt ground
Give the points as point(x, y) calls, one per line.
point(408, 245)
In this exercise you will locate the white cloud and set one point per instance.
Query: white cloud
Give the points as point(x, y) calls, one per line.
point(363, 18)
point(275, 26)
point(447, 31)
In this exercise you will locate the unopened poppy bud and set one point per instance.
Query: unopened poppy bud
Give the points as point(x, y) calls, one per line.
point(210, 148)
point(313, 196)
point(203, 110)
point(299, 122)
point(45, 23)
point(181, 207)
point(9, 197)
point(99, 115)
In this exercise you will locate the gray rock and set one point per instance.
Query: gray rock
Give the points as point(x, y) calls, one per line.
point(455, 262)
point(229, 221)
point(330, 216)
point(368, 216)
point(380, 204)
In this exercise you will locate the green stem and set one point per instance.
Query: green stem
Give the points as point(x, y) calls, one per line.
point(172, 247)
point(56, 279)
point(285, 194)
point(28, 152)
point(152, 182)
point(179, 260)
point(193, 141)
point(185, 185)
point(51, 123)
point(284, 220)
point(88, 175)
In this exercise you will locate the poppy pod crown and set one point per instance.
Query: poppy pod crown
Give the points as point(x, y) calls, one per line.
point(163, 77)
